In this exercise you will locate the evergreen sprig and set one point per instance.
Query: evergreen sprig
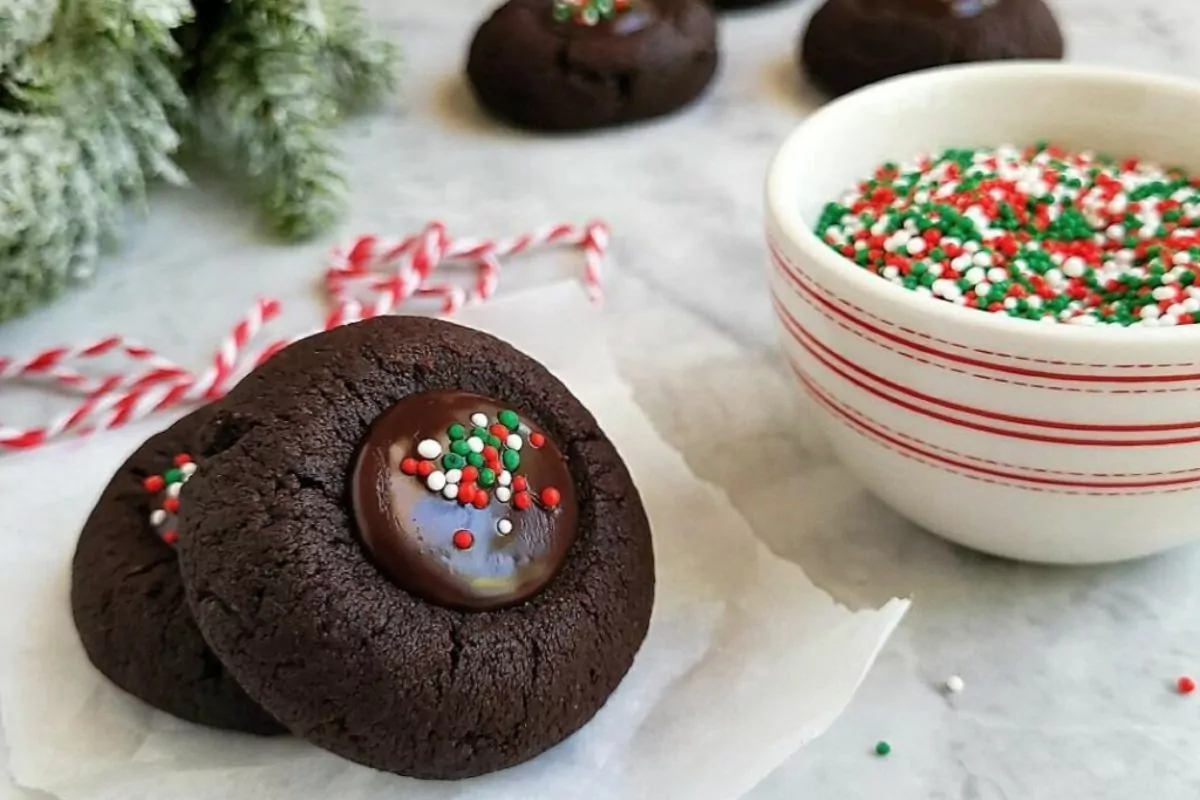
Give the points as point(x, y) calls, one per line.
point(92, 99)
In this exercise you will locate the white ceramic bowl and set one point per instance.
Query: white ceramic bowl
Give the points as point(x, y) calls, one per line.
point(1049, 443)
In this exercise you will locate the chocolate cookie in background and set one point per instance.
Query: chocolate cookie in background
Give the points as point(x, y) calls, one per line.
point(851, 43)
point(417, 549)
point(127, 595)
point(569, 65)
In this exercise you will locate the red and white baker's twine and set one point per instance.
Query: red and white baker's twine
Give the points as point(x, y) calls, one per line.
point(370, 277)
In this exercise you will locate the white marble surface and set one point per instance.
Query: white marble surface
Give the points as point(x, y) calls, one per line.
point(1067, 671)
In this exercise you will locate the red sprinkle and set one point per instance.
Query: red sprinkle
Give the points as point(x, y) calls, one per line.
point(424, 468)
point(551, 497)
point(153, 484)
point(490, 454)
point(409, 466)
point(481, 499)
point(1185, 685)
point(499, 431)
point(536, 440)
point(170, 537)
point(469, 474)
point(171, 505)
point(519, 484)
point(464, 539)
point(182, 459)
point(466, 493)
point(521, 500)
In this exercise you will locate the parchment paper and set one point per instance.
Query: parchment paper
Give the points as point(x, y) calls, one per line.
point(745, 661)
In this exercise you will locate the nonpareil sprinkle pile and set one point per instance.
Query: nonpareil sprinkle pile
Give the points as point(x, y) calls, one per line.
point(1037, 233)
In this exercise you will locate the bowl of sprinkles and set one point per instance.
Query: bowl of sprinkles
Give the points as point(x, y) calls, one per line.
point(987, 285)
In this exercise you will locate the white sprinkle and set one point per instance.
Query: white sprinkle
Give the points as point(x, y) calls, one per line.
point(504, 526)
point(1167, 321)
point(915, 246)
point(961, 263)
point(513, 442)
point(1182, 257)
point(476, 444)
point(1191, 305)
point(975, 275)
point(173, 489)
point(436, 481)
point(450, 491)
point(503, 494)
point(158, 517)
point(188, 469)
point(1163, 293)
point(1149, 312)
point(970, 247)
point(504, 478)
point(1115, 232)
point(429, 449)
point(479, 420)
point(954, 684)
point(997, 274)
point(1074, 267)
point(890, 272)
point(453, 475)
point(982, 259)
point(1010, 302)
point(982, 288)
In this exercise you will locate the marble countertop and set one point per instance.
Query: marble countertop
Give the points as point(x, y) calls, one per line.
point(1067, 671)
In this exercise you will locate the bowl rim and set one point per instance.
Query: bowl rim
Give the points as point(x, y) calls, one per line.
point(782, 177)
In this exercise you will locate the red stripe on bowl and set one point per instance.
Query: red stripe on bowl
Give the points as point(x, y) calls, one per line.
point(801, 282)
point(980, 427)
point(799, 331)
point(864, 426)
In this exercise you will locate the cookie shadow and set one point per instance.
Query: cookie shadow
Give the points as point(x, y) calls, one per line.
point(456, 107)
point(785, 83)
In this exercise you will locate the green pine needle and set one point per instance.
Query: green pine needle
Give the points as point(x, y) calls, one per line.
point(91, 109)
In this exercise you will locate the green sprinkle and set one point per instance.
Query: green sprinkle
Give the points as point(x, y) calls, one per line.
point(509, 419)
point(494, 441)
point(453, 461)
point(481, 433)
point(475, 459)
point(460, 447)
point(882, 748)
point(456, 432)
point(511, 460)
point(1085, 237)
point(173, 476)
point(487, 477)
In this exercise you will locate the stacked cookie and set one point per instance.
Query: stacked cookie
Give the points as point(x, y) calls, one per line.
point(402, 540)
